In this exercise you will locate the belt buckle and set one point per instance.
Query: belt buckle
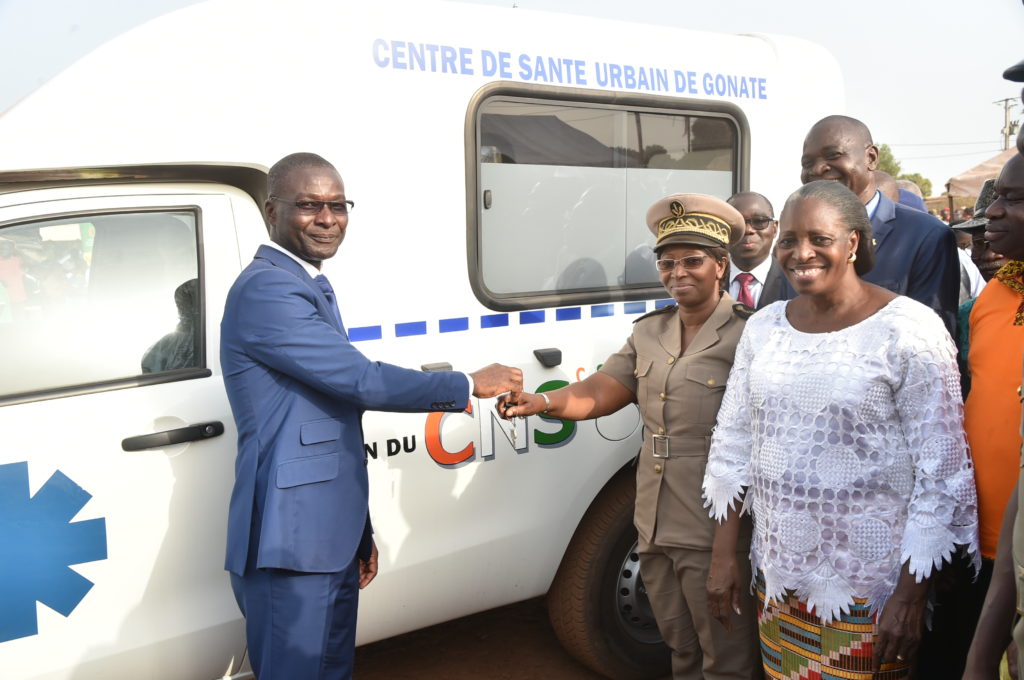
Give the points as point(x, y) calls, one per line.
point(660, 442)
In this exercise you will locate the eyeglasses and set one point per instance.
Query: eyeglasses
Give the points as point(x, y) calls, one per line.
point(759, 223)
point(310, 207)
point(691, 262)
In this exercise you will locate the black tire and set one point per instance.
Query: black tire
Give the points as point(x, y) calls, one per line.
point(597, 603)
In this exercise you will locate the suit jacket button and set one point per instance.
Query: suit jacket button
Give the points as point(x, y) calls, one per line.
point(662, 396)
point(671, 360)
point(711, 381)
point(636, 372)
point(661, 430)
point(657, 467)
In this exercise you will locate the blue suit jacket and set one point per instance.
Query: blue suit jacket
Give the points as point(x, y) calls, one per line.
point(915, 255)
point(298, 389)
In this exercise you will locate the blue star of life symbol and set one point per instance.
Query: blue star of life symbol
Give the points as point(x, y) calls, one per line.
point(38, 541)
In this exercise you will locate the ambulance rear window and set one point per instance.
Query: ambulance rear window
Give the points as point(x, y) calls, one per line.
point(562, 188)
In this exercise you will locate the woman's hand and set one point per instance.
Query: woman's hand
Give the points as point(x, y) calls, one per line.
point(901, 623)
point(723, 587)
point(525, 404)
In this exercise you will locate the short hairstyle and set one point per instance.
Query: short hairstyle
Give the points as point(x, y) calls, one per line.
point(851, 212)
point(911, 186)
point(847, 122)
point(754, 194)
point(295, 161)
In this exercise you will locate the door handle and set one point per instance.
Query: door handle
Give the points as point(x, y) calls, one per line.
point(176, 436)
point(549, 357)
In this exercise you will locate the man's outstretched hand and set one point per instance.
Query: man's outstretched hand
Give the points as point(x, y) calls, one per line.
point(496, 379)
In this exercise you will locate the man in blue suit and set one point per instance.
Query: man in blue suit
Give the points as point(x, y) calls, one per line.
point(915, 254)
point(300, 543)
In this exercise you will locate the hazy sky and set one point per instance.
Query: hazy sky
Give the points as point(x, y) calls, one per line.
point(923, 74)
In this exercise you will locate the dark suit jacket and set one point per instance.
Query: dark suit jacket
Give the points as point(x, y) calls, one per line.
point(298, 389)
point(915, 255)
point(775, 286)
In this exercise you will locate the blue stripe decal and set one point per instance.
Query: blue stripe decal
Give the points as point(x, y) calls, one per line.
point(403, 330)
point(536, 316)
point(493, 320)
point(634, 307)
point(533, 316)
point(452, 325)
point(568, 314)
point(364, 333)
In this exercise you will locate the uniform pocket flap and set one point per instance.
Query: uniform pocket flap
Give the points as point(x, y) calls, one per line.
point(643, 367)
point(709, 376)
point(307, 470)
point(320, 431)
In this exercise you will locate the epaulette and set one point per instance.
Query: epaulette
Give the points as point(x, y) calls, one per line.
point(659, 310)
point(742, 311)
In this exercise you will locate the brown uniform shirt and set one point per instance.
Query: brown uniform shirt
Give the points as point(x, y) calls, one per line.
point(679, 395)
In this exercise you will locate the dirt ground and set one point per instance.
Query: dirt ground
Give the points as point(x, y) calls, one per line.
point(509, 643)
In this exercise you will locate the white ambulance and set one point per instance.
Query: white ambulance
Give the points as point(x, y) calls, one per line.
point(501, 162)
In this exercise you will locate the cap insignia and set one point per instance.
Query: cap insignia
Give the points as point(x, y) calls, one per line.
point(698, 223)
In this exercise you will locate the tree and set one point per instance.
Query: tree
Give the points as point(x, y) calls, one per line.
point(888, 163)
point(923, 182)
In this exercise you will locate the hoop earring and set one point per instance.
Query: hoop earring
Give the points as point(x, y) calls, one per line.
point(852, 257)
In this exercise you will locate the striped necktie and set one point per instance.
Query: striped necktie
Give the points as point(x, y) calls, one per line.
point(746, 296)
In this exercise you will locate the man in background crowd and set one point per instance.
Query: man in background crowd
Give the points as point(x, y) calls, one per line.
point(915, 255)
point(755, 278)
point(1005, 233)
point(911, 196)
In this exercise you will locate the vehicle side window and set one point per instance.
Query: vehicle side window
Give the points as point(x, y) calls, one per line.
point(88, 299)
point(563, 190)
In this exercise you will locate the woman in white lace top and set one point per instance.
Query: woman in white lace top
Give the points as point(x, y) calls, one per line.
point(841, 432)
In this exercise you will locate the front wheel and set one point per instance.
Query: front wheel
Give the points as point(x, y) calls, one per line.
point(597, 603)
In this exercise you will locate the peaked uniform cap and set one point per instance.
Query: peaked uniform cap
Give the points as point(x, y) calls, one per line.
point(694, 219)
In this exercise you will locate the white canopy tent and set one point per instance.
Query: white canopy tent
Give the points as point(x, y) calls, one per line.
point(969, 183)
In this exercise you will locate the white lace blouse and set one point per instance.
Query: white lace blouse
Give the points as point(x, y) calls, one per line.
point(851, 450)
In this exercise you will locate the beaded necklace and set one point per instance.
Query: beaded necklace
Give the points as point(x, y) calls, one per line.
point(1012, 275)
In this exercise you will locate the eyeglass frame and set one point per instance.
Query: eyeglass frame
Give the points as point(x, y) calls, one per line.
point(749, 221)
point(349, 205)
point(676, 262)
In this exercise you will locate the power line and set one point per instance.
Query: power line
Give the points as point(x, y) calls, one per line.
point(987, 141)
point(950, 155)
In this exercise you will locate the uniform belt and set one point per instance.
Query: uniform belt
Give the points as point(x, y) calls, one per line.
point(672, 446)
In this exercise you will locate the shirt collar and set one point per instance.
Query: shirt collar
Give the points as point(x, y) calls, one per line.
point(872, 205)
point(760, 272)
point(309, 269)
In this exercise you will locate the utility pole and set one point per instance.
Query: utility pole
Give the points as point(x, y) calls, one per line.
point(1009, 130)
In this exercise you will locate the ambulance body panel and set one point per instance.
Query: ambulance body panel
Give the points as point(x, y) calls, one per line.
point(501, 162)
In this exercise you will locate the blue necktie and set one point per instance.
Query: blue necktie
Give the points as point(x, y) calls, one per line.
point(328, 291)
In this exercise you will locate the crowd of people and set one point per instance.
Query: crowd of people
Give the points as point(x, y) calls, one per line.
point(814, 499)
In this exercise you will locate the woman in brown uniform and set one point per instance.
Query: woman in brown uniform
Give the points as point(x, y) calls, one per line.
point(674, 367)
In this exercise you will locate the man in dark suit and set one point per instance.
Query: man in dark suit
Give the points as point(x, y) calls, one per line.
point(754, 276)
point(300, 543)
point(915, 254)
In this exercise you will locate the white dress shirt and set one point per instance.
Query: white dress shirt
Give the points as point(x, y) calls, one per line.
point(314, 272)
point(760, 273)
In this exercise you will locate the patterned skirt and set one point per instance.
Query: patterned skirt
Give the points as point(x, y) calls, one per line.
point(796, 645)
